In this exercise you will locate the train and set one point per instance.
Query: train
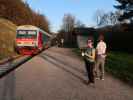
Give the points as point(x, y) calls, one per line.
point(31, 39)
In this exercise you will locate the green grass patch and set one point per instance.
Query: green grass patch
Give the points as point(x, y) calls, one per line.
point(120, 65)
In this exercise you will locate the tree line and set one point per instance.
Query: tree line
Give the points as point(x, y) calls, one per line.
point(115, 26)
point(20, 13)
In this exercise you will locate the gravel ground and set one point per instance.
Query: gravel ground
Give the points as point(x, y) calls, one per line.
point(58, 74)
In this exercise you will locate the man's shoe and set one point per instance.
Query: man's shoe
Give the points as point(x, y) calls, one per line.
point(86, 82)
point(97, 78)
point(102, 79)
point(92, 84)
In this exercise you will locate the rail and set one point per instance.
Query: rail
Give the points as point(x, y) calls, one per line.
point(11, 63)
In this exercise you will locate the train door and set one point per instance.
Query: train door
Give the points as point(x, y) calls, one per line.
point(40, 41)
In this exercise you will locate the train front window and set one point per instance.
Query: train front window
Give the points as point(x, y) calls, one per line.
point(26, 34)
point(31, 34)
point(21, 34)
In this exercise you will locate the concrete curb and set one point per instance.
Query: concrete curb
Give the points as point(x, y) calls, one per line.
point(6, 60)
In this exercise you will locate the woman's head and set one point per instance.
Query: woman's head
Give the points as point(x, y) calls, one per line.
point(90, 42)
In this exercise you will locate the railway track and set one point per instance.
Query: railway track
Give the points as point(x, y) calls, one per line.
point(11, 63)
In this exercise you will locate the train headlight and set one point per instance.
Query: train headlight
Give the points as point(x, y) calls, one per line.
point(34, 42)
point(18, 42)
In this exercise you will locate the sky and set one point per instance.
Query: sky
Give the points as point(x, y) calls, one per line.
point(83, 10)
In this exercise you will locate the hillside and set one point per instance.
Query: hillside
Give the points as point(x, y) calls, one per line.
point(7, 36)
point(20, 13)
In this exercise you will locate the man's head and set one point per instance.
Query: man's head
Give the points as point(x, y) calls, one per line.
point(101, 38)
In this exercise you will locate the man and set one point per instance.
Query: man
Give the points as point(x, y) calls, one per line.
point(56, 43)
point(100, 58)
point(62, 42)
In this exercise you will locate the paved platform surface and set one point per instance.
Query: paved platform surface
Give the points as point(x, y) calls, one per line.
point(58, 74)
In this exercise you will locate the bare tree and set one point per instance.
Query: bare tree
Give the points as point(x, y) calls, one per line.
point(103, 19)
point(68, 23)
point(98, 16)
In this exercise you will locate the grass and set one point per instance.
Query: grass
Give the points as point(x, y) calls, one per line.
point(119, 64)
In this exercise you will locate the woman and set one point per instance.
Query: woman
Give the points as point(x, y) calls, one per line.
point(89, 58)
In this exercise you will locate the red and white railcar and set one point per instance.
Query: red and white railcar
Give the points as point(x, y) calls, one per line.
point(31, 39)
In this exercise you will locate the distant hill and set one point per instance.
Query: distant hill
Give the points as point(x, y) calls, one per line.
point(7, 37)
